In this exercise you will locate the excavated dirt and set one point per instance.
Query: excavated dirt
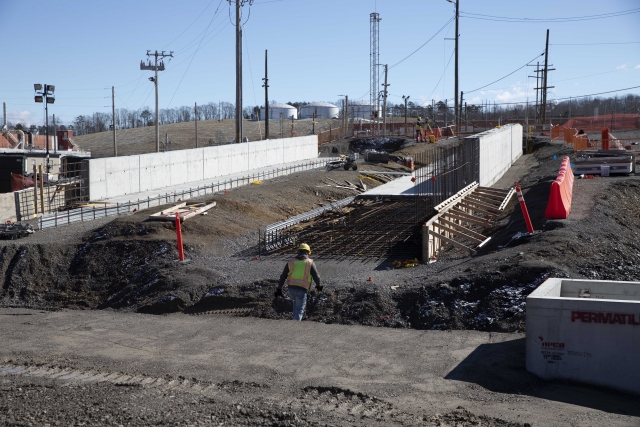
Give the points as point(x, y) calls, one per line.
point(129, 263)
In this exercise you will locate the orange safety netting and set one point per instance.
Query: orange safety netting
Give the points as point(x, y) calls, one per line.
point(597, 123)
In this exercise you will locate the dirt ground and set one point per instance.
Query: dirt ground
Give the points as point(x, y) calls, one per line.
point(127, 265)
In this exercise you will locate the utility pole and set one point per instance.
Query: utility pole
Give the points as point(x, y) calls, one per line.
point(313, 122)
point(544, 77)
point(239, 120)
point(406, 99)
point(55, 135)
point(384, 103)
point(346, 111)
point(113, 115)
point(266, 95)
point(456, 65)
point(459, 115)
point(195, 110)
point(155, 67)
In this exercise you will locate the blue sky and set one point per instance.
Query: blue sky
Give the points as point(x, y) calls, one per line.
point(318, 49)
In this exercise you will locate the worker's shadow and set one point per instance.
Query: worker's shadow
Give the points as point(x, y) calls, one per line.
point(500, 368)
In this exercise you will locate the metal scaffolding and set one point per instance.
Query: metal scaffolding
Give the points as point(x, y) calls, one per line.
point(374, 60)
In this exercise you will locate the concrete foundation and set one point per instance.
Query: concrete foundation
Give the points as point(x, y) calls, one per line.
point(118, 176)
point(499, 148)
point(585, 330)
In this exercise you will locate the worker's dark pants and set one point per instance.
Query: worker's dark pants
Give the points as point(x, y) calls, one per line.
point(418, 135)
point(299, 297)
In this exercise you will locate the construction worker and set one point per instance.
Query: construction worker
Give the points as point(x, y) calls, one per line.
point(419, 129)
point(297, 274)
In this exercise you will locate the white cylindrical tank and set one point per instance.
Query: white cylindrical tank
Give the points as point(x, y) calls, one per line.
point(322, 110)
point(275, 109)
point(362, 110)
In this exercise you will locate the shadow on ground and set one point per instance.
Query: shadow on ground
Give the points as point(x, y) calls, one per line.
point(500, 367)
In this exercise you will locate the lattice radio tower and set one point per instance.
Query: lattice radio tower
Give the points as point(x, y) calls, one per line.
point(374, 20)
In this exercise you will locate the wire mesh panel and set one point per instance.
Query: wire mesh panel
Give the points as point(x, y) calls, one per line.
point(365, 228)
point(443, 171)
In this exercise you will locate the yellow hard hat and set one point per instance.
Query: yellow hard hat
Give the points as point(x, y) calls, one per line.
point(419, 118)
point(304, 247)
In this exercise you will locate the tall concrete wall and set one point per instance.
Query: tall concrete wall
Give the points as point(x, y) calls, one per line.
point(594, 339)
point(499, 148)
point(118, 176)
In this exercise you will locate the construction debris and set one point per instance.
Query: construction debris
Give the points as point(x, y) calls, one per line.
point(15, 230)
point(183, 210)
point(604, 162)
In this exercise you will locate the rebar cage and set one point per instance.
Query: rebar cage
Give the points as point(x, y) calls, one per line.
point(385, 227)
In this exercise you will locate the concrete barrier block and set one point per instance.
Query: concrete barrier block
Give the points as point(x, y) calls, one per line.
point(593, 340)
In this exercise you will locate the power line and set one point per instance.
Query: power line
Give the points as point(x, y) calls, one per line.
point(502, 78)
point(541, 20)
point(199, 37)
point(443, 73)
point(589, 44)
point(193, 56)
point(601, 93)
point(425, 43)
point(194, 21)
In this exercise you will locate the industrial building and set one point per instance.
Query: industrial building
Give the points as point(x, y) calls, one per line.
point(363, 110)
point(319, 110)
point(280, 111)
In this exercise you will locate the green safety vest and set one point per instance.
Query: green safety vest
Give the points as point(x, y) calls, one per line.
point(299, 273)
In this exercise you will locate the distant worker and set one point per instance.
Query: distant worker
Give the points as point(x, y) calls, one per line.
point(297, 274)
point(419, 129)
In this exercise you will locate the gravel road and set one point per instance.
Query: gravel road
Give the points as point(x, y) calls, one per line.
point(111, 368)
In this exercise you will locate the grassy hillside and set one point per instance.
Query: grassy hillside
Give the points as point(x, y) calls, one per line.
point(182, 135)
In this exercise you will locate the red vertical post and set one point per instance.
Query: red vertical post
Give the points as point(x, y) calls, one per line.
point(605, 139)
point(523, 206)
point(179, 236)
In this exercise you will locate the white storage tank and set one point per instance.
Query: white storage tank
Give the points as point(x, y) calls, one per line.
point(322, 110)
point(362, 110)
point(275, 109)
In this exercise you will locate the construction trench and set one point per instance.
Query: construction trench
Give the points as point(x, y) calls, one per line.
point(121, 265)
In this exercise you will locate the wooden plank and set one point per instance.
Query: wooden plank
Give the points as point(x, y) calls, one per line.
point(507, 199)
point(495, 191)
point(484, 243)
point(479, 203)
point(463, 229)
point(166, 211)
point(492, 197)
point(442, 207)
point(453, 242)
point(198, 211)
point(458, 233)
point(465, 217)
point(476, 209)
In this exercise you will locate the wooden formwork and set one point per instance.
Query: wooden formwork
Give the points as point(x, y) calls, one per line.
point(461, 219)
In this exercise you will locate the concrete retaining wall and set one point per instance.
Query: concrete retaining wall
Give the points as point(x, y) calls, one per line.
point(593, 339)
point(118, 176)
point(499, 148)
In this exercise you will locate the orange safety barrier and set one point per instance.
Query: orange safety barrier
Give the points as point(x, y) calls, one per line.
point(559, 205)
point(555, 132)
point(568, 135)
point(581, 142)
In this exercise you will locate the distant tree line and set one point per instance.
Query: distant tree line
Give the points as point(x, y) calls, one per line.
point(440, 111)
